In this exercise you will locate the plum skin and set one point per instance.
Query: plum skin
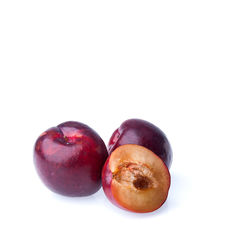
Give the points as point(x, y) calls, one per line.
point(106, 183)
point(143, 133)
point(69, 159)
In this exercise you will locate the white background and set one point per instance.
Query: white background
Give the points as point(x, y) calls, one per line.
point(182, 65)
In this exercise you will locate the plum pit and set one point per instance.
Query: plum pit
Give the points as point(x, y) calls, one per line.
point(141, 182)
point(135, 175)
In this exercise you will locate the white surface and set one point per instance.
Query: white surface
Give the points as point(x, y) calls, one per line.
point(183, 65)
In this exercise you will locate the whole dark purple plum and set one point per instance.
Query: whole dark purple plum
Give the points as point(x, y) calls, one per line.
point(69, 159)
point(143, 133)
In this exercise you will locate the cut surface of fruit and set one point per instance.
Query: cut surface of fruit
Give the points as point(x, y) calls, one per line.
point(140, 179)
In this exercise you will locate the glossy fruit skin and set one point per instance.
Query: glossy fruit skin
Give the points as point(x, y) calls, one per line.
point(143, 133)
point(69, 159)
point(106, 184)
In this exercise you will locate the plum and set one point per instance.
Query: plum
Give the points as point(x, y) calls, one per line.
point(146, 134)
point(135, 179)
point(69, 159)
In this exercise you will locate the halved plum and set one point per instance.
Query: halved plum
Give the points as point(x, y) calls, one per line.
point(136, 179)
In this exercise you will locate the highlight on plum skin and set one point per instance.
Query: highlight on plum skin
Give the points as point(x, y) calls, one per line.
point(144, 133)
point(135, 179)
point(69, 159)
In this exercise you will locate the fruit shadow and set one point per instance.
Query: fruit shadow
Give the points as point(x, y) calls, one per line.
point(91, 199)
point(177, 193)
